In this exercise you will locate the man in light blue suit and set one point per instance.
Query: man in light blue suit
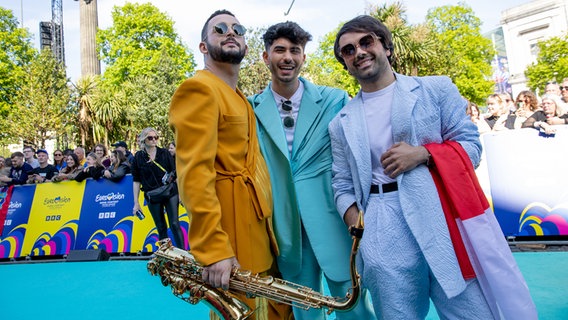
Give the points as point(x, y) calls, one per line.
point(380, 166)
point(293, 115)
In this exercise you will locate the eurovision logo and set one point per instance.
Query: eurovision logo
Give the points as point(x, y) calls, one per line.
point(57, 201)
point(109, 199)
point(15, 205)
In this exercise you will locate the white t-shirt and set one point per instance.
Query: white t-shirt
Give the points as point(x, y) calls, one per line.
point(378, 109)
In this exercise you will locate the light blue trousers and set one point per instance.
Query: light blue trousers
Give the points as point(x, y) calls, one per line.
point(311, 276)
point(397, 275)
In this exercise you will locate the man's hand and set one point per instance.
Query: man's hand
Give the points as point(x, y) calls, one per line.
point(351, 215)
point(402, 157)
point(218, 274)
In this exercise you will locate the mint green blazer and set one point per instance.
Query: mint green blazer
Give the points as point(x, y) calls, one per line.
point(301, 181)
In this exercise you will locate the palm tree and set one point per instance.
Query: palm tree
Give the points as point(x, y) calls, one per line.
point(412, 44)
point(108, 114)
point(413, 47)
point(84, 89)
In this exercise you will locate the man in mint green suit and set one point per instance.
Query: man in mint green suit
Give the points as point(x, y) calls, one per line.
point(293, 116)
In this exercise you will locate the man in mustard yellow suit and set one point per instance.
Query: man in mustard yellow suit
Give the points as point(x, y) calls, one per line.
point(222, 177)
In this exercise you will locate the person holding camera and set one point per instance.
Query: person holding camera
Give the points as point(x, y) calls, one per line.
point(153, 170)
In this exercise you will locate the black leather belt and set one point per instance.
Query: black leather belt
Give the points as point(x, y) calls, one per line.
point(388, 187)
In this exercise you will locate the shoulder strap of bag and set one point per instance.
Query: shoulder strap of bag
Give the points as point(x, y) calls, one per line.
point(159, 166)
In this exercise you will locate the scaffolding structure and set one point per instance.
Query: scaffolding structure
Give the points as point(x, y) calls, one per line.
point(51, 32)
point(58, 46)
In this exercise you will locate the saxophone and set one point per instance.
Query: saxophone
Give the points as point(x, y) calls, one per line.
point(179, 269)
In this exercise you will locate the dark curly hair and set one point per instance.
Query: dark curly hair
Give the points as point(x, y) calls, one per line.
point(288, 30)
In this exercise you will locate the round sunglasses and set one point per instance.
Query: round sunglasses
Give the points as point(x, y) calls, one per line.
point(366, 42)
point(222, 28)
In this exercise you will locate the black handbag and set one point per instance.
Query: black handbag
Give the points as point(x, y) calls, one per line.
point(162, 193)
point(165, 192)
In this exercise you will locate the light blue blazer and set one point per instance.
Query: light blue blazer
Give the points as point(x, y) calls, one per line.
point(301, 181)
point(424, 110)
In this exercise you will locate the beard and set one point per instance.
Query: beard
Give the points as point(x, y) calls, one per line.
point(220, 55)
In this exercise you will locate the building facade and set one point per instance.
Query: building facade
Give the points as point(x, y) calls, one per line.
point(523, 27)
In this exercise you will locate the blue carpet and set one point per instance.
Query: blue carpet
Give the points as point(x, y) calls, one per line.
point(124, 290)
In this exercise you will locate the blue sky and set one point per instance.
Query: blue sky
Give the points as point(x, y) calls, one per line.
point(316, 16)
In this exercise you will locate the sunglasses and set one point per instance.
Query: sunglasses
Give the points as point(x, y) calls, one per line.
point(563, 88)
point(57, 155)
point(152, 138)
point(288, 121)
point(222, 28)
point(366, 42)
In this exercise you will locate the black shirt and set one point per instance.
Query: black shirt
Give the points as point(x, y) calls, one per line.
point(148, 173)
point(48, 172)
point(491, 121)
point(116, 174)
point(94, 172)
point(20, 174)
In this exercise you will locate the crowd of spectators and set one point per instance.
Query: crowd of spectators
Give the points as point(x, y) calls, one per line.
point(503, 113)
point(526, 111)
point(31, 166)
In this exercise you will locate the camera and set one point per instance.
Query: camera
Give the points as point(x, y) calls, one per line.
point(166, 178)
point(140, 214)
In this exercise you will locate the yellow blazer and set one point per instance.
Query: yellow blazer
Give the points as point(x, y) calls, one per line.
point(222, 177)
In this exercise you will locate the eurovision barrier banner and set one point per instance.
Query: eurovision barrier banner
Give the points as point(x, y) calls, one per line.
point(529, 181)
point(53, 218)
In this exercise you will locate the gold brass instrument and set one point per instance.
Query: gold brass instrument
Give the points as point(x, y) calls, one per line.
point(179, 269)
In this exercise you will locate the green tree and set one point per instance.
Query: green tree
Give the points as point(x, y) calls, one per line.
point(413, 44)
point(84, 95)
point(146, 61)
point(150, 98)
point(551, 63)
point(412, 47)
point(254, 75)
point(107, 114)
point(134, 44)
point(322, 67)
point(16, 52)
point(462, 53)
point(42, 101)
